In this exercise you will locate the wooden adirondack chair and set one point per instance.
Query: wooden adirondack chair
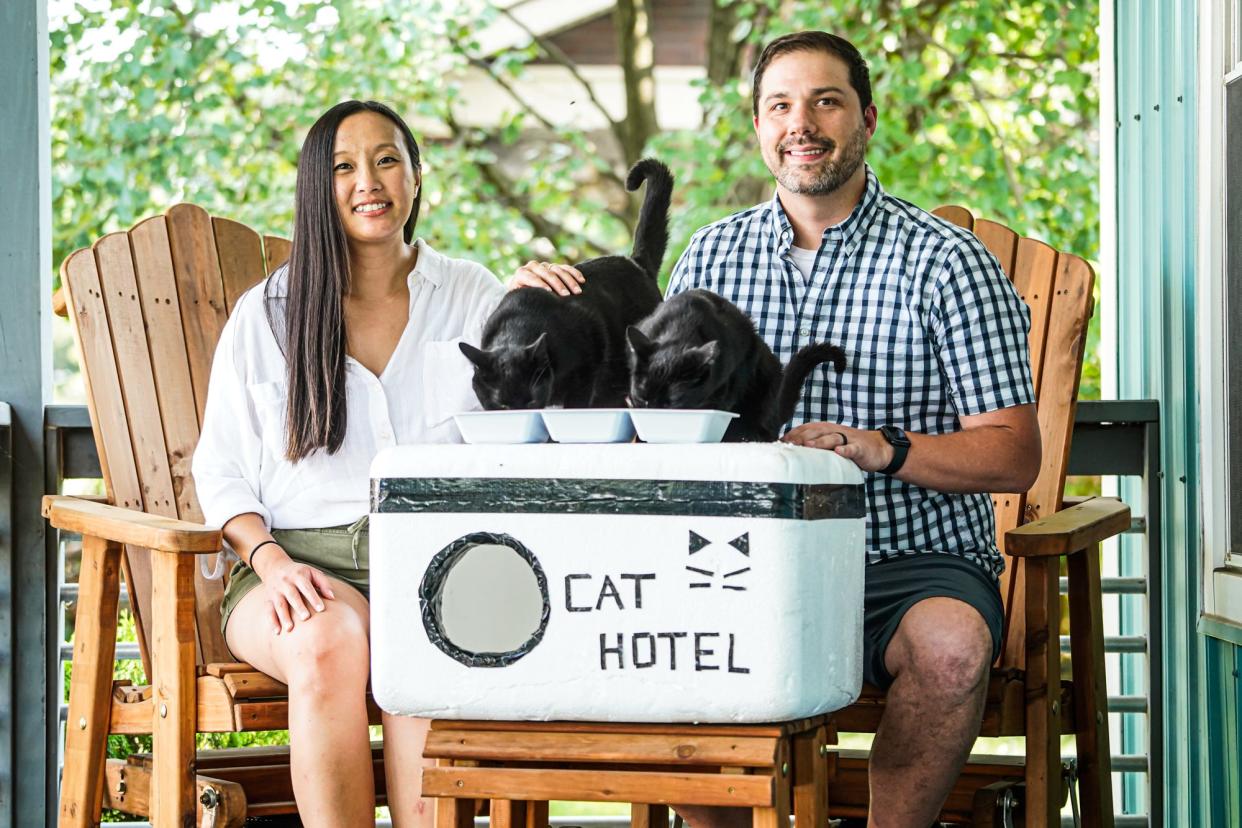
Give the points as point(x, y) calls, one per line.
point(1026, 696)
point(148, 306)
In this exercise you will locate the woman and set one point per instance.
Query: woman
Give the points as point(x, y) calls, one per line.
point(349, 348)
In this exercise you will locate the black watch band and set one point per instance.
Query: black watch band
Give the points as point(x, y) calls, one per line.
point(901, 447)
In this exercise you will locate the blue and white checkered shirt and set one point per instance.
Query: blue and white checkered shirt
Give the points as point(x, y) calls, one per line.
point(931, 327)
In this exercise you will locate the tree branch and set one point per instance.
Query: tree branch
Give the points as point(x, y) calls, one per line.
point(562, 239)
point(557, 56)
point(529, 108)
point(1019, 193)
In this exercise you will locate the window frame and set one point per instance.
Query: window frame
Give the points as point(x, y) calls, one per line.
point(1219, 289)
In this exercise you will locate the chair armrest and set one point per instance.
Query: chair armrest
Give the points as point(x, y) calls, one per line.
point(129, 526)
point(1069, 530)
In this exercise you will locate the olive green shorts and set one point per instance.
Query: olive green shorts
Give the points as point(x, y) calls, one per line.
point(338, 551)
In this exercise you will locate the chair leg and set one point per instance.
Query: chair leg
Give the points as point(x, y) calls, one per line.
point(812, 769)
point(1090, 688)
point(173, 679)
point(508, 813)
point(90, 689)
point(1043, 703)
point(643, 815)
point(454, 813)
point(778, 815)
point(537, 814)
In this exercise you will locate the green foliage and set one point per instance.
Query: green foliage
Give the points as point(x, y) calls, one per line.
point(982, 102)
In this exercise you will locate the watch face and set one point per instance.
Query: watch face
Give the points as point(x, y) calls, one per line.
point(894, 435)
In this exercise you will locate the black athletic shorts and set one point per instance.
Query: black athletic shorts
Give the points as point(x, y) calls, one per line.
point(895, 585)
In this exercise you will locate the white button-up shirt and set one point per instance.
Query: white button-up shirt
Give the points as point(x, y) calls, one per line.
point(240, 464)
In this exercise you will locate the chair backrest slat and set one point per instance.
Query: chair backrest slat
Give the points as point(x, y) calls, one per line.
point(133, 360)
point(80, 277)
point(178, 418)
point(1034, 272)
point(1057, 289)
point(956, 215)
point(1071, 308)
point(201, 290)
point(1000, 241)
point(161, 308)
point(241, 257)
point(275, 252)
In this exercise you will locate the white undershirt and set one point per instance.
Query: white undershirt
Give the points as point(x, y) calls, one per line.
point(239, 465)
point(804, 260)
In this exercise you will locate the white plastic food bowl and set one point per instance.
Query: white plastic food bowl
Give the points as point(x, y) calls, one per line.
point(589, 425)
point(501, 427)
point(672, 425)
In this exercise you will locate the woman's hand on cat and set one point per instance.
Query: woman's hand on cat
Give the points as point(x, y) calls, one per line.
point(558, 278)
point(868, 449)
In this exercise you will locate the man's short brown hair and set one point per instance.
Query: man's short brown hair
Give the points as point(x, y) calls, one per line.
point(813, 41)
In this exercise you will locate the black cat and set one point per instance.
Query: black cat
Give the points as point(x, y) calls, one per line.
point(541, 349)
point(699, 350)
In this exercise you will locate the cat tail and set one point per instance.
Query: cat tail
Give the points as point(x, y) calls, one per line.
point(651, 235)
point(798, 369)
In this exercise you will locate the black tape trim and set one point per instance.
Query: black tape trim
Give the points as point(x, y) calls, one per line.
point(430, 598)
point(572, 496)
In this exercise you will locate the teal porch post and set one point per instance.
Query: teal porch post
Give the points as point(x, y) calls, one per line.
point(27, 714)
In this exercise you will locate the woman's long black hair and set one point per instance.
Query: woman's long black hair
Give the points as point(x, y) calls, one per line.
point(312, 328)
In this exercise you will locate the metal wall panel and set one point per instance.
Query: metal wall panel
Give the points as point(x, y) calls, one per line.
point(1156, 131)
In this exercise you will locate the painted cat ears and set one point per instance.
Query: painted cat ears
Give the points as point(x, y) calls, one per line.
point(487, 359)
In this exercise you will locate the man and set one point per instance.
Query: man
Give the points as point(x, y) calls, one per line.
point(935, 406)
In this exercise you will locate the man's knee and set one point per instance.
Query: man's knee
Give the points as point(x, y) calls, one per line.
point(943, 644)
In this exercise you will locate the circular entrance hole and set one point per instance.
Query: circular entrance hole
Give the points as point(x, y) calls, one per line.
point(484, 600)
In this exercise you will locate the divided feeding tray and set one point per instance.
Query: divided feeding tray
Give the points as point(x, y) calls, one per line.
point(594, 425)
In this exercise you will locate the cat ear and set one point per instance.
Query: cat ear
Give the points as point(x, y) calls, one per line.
point(639, 343)
point(708, 351)
point(479, 357)
point(539, 348)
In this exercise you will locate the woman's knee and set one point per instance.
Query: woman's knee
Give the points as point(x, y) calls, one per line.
point(328, 653)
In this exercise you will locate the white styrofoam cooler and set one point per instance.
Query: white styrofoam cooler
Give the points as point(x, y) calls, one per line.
point(675, 583)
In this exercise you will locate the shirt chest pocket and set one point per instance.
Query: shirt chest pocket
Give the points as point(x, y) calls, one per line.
point(447, 378)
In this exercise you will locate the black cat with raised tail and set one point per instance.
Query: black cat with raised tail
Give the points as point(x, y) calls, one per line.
point(541, 349)
point(699, 350)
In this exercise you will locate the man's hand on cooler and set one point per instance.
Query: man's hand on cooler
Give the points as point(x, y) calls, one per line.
point(867, 449)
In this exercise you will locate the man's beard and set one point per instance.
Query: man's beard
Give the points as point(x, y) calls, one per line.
point(831, 173)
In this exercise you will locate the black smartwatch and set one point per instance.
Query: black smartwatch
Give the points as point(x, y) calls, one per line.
point(901, 447)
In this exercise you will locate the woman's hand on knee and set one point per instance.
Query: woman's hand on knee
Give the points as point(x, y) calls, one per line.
point(558, 278)
point(294, 591)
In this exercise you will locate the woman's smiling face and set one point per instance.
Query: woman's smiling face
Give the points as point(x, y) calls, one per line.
point(373, 178)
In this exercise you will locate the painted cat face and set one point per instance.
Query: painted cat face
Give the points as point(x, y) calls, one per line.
point(670, 377)
point(512, 377)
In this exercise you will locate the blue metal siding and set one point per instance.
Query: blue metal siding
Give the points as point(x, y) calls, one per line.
point(1156, 172)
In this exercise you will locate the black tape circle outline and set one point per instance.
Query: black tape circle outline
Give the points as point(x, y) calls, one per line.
point(430, 598)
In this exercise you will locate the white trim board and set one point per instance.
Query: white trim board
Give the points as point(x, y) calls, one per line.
point(543, 17)
point(1211, 341)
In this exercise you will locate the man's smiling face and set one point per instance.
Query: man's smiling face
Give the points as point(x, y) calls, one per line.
point(812, 129)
